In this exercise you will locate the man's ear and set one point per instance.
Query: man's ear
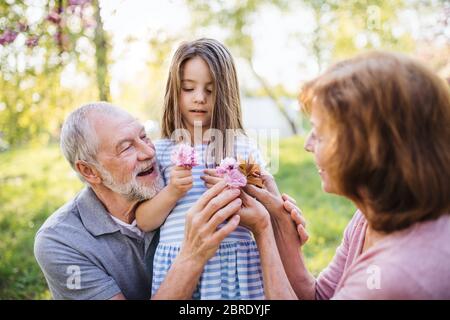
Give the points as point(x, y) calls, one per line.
point(88, 171)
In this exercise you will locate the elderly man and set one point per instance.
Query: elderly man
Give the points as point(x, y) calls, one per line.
point(91, 248)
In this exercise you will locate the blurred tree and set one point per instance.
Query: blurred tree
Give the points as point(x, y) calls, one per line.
point(434, 45)
point(101, 55)
point(236, 17)
point(345, 27)
point(46, 62)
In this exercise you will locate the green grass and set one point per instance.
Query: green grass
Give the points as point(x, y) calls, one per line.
point(34, 182)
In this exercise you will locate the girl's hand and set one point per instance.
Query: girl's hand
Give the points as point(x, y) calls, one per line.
point(181, 180)
point(211, 177)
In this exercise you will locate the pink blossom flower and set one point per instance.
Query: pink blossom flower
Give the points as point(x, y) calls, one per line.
point(235, 179)
point(78, 2)
point(7, 37)
point(22, 26)
point(54, 17)
point(226, 165)
point(184, 155)
point(32, 41)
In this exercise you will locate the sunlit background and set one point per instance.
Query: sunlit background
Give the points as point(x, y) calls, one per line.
point(56, 55)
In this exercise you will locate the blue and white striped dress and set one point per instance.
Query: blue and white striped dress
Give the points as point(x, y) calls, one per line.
point(235, 271)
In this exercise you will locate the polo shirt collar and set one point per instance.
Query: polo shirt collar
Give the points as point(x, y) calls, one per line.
point(98, 221)
point(94, 215)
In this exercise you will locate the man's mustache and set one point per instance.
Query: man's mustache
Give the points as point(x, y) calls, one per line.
point(144, 167)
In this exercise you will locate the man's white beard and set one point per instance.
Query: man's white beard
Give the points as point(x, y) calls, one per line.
point(133, 190)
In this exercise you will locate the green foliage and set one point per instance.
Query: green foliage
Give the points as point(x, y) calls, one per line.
point(36, 181)
point(35, 93)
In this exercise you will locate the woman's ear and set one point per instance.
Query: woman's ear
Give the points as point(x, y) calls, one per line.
point(88, 171)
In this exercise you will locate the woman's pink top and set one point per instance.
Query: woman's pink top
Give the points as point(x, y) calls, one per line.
point(409, 264)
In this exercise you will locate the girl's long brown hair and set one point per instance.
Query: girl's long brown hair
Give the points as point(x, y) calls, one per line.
point(226, 113)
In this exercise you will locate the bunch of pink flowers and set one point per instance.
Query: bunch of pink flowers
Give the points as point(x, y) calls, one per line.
point(184, 155)
point(229, 170)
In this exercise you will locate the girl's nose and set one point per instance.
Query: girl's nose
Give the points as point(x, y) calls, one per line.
point(200, 97)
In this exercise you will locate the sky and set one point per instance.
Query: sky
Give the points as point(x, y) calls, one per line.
point(277, 57)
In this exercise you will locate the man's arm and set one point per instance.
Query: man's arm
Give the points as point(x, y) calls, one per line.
point(69, 274)
point(201, 240)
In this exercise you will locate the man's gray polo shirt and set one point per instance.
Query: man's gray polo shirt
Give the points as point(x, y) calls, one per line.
point(84, 254)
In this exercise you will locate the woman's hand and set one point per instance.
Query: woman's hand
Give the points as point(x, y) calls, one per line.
point(296, 216)
point(181, 180)
point(269, 196)
point(211, 177)
point(283, 210)
point(254, 215)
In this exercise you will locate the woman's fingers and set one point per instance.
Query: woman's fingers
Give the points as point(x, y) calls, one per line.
point(286, 197)
point(245, 198)
point(261, 195)
point(303, 234)
point(297, 218)
point(270, 184)
point(295, 212)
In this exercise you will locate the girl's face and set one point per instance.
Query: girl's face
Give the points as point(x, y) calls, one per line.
point(318, 142)
point(196, 97)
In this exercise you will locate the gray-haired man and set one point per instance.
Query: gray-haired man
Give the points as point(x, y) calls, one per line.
point(91, 248)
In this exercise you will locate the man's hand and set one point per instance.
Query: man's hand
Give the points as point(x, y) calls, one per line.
point(211, 177)
point(201, 240)
point(181, 180)
point(215, 206)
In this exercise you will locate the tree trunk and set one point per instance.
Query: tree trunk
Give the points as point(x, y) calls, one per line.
point(101, 55)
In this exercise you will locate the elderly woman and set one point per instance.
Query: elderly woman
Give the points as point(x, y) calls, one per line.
point(381, 138)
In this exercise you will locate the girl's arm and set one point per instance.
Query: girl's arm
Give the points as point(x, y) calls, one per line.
point(151, 214)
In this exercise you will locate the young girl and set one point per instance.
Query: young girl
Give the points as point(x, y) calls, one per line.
point(202, 93)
